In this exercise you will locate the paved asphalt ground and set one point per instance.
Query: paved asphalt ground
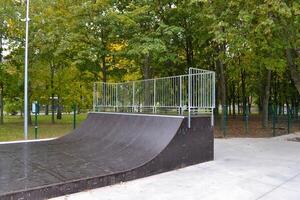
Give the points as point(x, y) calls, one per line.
point(243, 169)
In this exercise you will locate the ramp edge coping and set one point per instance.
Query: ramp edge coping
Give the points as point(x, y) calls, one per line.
point(27, 141)
point(138, 114)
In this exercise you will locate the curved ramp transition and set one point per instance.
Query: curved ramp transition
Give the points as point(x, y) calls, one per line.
point(107, 148)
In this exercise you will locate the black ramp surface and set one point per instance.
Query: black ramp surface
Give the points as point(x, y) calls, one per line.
point(105, 149)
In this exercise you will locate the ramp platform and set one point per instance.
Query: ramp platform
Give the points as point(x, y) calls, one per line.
point(107, 148)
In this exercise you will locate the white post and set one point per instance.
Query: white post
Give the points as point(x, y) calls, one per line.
point(212, 118)
point(189, 97)
point(214, 90)
point(180, 96)
point(213, 96)
point(154, 96)
point(117, 98)
point(26, 75)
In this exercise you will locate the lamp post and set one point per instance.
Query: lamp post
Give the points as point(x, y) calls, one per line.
point(26, 74)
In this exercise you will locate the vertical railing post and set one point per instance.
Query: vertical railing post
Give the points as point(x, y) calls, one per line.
point(104, 97)
point(117, 99)
point(36, 112)
point(214, 90)
point(154, 96)
point(289, 119)
point(133, 97)
point(193, 93)
point(94, 98)
point(212, 117)
point(189, 99)
point(213, 105)
point(180, 96)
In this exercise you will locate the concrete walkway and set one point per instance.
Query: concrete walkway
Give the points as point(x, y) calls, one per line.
point(265, 169)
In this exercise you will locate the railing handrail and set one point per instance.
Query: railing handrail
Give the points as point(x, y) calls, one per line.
point(167, 77)
point(193, 93)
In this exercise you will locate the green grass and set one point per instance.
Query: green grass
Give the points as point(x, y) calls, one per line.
point(12, 129)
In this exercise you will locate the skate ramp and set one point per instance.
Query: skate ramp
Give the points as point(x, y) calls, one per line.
point(107, 148)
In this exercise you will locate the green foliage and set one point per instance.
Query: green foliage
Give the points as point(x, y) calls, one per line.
point(76, 42)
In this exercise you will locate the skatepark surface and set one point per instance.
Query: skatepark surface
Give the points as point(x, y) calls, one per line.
point(106, 149)
point(243, 169)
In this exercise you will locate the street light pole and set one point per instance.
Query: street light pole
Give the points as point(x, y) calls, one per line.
point(26, 75)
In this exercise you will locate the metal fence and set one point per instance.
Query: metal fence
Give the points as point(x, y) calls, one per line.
point(190, 95)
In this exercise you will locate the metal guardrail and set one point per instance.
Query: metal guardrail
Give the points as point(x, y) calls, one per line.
point(191, 94)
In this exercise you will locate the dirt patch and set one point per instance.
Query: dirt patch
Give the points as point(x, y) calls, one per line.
point(237, 127)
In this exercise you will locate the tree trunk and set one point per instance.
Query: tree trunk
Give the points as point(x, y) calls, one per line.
point(146, 67)
point(52, 108)
point(147, 75)
point(189, 51)
point(265, 101)
point(29, 104)
point(238, 102)
point(244, 98)
point(47, 109)
point(217, 101)
point(249, 105)
point(233, 100)
point(275, 93)
point(233, 108)
point(280, 109)
point(229, 106)
point(291, 54)
point(222, 83)
point(29, 113)
point(59, 109)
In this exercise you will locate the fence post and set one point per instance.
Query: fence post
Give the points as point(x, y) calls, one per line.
point(297, 112)
point(35, 125)
point(247, 119)
point(289, 119)
point(36, 119)
point(274, 113)
point(224, 124)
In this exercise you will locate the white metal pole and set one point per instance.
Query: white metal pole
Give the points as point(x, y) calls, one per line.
point(180, 96)
point(213, 95)
point(189, 97)
point(117, 99)
point(154, 96)
point(26, 75)
point(212, 118)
